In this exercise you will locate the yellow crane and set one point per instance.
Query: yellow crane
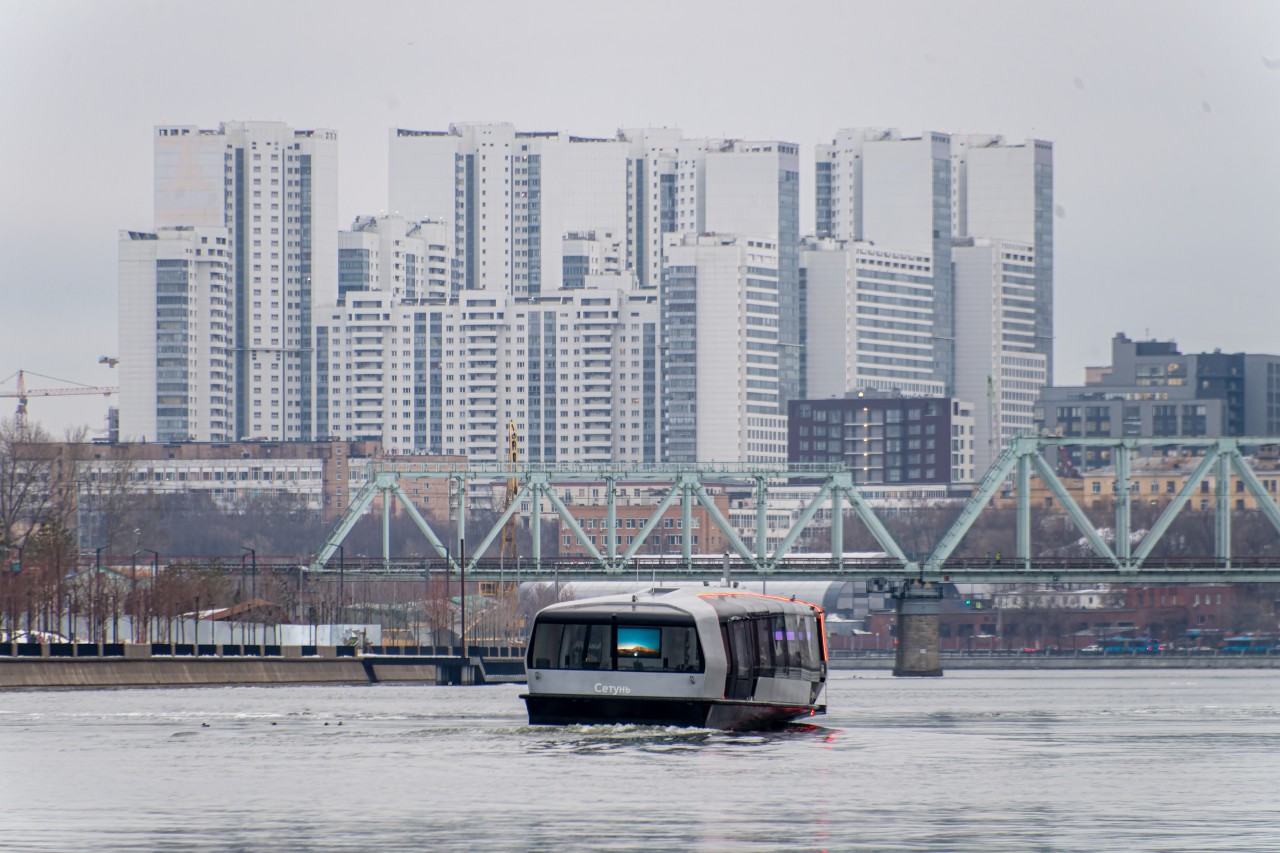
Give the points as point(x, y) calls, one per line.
point(508, 549)
point(23, 392)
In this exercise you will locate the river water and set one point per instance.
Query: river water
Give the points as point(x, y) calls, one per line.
point(1028, 761)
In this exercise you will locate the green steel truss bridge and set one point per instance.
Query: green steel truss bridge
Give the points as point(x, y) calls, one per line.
point(1126, 559)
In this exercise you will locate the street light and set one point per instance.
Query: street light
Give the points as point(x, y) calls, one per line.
point(253, 587)
point(342, 556)
point(94, 627)
point(133, 591)
point(15, 567)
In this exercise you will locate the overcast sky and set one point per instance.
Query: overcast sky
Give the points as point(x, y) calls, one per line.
point(1165, 120)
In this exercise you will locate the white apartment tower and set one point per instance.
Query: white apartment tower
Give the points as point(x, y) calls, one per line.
point(510, 197)
point(751, 188)
point(408, 260)
point(997, 363)
point(652, 167)
point(576, 371)
point(177, 351)
point(1005, 192)
point(874, 185)
point(723, 396)
point(275, 191)
point(581, 376)
point(850, 289)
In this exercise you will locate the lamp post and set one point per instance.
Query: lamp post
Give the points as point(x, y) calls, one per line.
point(253, 587)
point(94, 627)
point(342, 556)
point(14, 568)
point(133, 589)
point(462, 594)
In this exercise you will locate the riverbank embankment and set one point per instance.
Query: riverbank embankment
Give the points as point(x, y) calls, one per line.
point(55, 665)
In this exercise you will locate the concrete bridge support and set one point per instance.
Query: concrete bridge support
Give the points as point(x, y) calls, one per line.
point(918, 653)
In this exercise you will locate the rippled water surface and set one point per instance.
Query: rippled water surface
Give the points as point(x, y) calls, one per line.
point(1028, 761)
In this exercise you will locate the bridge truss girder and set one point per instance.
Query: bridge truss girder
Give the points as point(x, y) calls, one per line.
point(685, 484)
point(1022, 455)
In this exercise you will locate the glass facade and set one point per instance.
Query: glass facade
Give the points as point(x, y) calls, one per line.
point(173, 398)
point(680, 374)
point(301, 357)
point(239, 216)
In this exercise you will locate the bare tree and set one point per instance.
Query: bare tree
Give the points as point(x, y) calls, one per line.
point(110, 504)
point(26, 477)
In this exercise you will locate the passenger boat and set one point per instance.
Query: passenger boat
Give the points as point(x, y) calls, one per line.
point(714, 657)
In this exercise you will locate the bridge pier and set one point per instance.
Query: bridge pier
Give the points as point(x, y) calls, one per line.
point(918, 653)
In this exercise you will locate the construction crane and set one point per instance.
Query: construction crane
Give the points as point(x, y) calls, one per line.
point(23, 392)
point(508, 549)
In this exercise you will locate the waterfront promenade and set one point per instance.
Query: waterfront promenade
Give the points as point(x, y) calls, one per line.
point(53, 665)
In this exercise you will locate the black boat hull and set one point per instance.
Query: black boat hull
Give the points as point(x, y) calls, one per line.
point(728, 714)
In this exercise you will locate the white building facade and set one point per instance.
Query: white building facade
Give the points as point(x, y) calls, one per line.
point(997, 361)
point(723, 396)
point(177, 351)
point(576, 372)
point(275, 190)
point(874, 185)
point(869, 318)
point(409, 260)
point(1005, 191)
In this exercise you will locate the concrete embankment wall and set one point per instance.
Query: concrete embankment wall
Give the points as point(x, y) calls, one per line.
point(33, 666)
point(177, 672)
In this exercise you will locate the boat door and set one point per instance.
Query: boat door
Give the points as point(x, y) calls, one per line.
point(740, 647)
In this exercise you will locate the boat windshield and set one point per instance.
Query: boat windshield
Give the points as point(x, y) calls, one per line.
point(610, 645)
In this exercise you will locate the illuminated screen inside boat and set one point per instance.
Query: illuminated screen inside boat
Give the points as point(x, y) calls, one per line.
point(639, 642)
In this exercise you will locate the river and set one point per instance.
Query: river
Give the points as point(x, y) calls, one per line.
point(1173, 760)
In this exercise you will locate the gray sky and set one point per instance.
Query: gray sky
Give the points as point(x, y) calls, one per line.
point(1165, 119)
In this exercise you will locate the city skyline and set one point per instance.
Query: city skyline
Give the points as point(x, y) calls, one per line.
point(1180, 129)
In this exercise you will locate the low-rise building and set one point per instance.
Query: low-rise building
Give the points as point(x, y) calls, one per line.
point(1151, 389)
point(323, 475)
point(886, 438)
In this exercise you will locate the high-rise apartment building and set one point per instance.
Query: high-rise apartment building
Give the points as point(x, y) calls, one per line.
point(575, 371)
point(751, 189)
point(911, 197)
point(639, 297)
point(408, 260)
point(875, 185)
point(1005, 192)
point(998, 364)
point(869, 319)
point(510, 197)
point(652, 167)
point(723, 396)
point(275, 190)
point(177, 351)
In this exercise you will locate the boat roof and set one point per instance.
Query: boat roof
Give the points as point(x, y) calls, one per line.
point(721, 599)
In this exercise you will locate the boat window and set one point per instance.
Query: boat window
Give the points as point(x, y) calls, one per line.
point(545, 648)
point(773, 646)
point(598, 645)
point(741, 682)
point(762, 626)
point(584, 646)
